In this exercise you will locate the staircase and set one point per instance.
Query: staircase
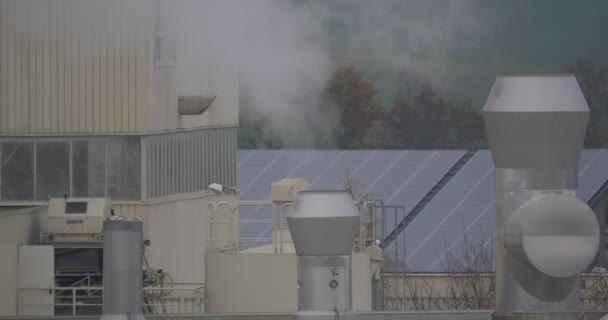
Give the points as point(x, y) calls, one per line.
point(426, 199)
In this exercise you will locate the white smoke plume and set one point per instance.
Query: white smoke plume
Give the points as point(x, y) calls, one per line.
point(286, 50)
point(434, 39)
point(279, 48)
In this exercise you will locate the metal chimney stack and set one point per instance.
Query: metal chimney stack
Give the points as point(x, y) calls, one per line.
point(545, 235)
point(323, 226)
point(123, 245)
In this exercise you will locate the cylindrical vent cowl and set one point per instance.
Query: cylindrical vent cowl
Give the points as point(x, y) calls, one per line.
point(122, 270)
point(545, 235)
point(323, 225)
point(324, 283)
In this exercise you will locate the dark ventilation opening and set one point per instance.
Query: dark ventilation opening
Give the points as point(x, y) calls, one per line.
point(76, 207)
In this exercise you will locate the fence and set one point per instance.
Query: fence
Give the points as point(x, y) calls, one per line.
point(225, 225)
point(179, 299)
point(456, 291)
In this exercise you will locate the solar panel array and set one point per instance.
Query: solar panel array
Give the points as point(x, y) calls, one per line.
point(397, 177)
point(462, 212)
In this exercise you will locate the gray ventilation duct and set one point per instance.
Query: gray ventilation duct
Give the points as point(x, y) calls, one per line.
point(193, 105)
point(323, 225)
point(123, 245)
point(545, 235)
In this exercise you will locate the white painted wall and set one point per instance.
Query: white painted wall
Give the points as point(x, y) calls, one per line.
point(8, 279)
point(177, 229)
point(267, 282)
point(251, 282)
point(36, 274)
point(200, 78)
point(17, 227)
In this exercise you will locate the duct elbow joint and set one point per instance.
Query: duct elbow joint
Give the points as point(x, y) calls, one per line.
point(553, 237)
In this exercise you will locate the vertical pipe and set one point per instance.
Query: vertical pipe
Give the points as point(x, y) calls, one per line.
point(122, 270)
point(324, 226)
point(513, 188)
point(545, 236)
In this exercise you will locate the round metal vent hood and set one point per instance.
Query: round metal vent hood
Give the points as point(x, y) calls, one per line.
point(323, 223)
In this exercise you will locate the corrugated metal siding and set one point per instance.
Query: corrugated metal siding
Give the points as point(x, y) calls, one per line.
point(74, 66)
point(190, 161)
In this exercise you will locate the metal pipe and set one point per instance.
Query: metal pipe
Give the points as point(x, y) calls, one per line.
point(324, 225)
point(545, 235)
point(122, 270)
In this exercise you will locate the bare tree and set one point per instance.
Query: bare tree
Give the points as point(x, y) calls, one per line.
point(471, 284)
point(594, 291)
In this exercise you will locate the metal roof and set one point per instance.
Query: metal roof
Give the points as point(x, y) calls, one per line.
point(462, 209)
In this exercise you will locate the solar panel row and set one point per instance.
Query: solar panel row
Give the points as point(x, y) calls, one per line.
point(462, 213)
point(472, 218)
point(397, 177)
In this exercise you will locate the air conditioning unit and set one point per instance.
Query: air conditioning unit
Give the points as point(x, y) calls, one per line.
point(72, 216)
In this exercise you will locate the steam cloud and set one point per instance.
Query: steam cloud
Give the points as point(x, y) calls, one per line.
point(432, 39)
point(283, 62)
point(286, 50)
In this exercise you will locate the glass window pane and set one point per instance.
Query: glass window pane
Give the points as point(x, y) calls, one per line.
point(52, 170)
point(89, 168)
point(123, 168)
point(16, 169)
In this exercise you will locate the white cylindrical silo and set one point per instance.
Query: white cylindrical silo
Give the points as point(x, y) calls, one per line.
point(123, 246)
point(323, 225)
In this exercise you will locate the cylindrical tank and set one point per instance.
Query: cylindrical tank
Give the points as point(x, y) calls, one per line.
point(545, 235)
point(323, 225)
point(123, 245)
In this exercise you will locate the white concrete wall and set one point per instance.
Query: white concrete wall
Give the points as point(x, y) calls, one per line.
point(162, 96)
point(362, 282)
point(212, 79)
point(267, 282)
point(200, 78)
point(17, 227)
point(202, 69)
point(8, 279)
point(251, 282)
point(178, 231)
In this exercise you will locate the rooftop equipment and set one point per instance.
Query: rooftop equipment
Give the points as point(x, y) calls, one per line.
point(546, 236)
point(323, 226)
point(122, 270)
point(282, 194)
point(71, 216)
point(193, 105)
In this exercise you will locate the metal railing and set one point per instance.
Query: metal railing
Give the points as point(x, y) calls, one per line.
point(182, 300)
point(224, 226)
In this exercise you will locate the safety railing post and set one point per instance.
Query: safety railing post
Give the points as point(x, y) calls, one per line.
point(73, 301)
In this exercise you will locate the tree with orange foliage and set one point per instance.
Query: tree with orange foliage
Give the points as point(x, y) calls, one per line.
point(352, 97)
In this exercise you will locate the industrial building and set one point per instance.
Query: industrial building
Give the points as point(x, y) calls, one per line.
point(108, 112)
point(122, 191)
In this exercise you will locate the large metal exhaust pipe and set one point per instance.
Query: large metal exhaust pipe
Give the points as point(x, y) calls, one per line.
point(323, 225)
point(123, 245)
point(545, 235)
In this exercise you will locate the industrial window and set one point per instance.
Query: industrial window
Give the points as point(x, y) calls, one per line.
point(123, 169)
point(36, 169)
point(17, 170)
point(89, 168)
point(52, 169)
point(165, 51)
